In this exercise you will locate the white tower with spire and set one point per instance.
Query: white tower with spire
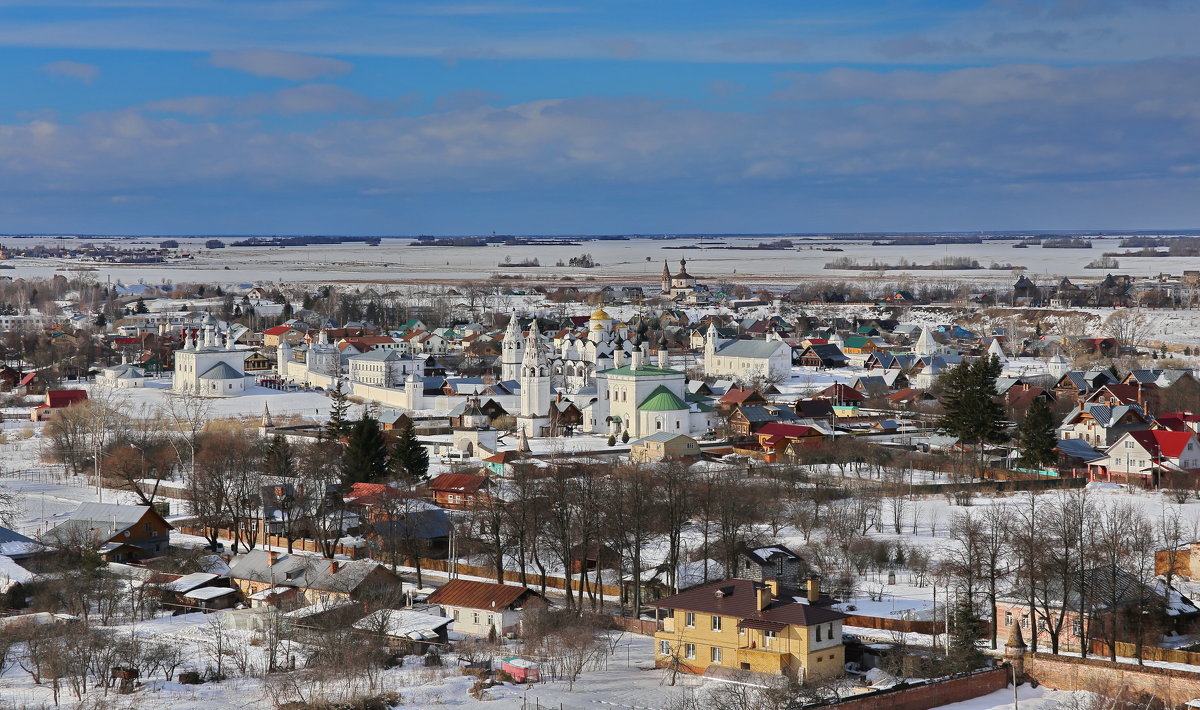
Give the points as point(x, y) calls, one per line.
point(926, 345)
point(995, 350)
point(535, 386)
point(512, 350)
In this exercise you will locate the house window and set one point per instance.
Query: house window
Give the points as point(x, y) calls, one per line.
point(1076, 627)
point(456, 614)
point(768, 639)
point(491, 619)
point(689, 619)
point(689, 650)
point(716, 623)
point(715, 655)
point(1008, 618)
point(664, 648)
point(148, 527)
point(476, 618)
point(818, 634)
point(1025, 621)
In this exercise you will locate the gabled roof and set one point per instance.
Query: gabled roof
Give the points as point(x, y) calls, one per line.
point(779, 429)
point(1161, 443)
point(65, 398)
point(480, 595)
point(643, 371)
point(661, 437)
point(458, 483)
point(766, 413)
point(757, 349)
point(302, 571)
point(102, 520)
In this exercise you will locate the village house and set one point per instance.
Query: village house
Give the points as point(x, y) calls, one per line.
point(1111, 592)
point(1100, 425)
point(459, 491)
point(663, 446)
point(56, 400)
point(479, 607)
point(745, 421)
point(120, 533)
point(744, 625)
point(772, 562)
point(1156, 458)
point(267, 577)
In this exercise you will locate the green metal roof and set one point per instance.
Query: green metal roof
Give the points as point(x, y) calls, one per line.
point(643, 371)
point(662, 400)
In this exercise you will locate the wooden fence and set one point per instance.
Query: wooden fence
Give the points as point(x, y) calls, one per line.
point(301, 544)
point(645, 627)
point(889, 624)
point(1149, 653)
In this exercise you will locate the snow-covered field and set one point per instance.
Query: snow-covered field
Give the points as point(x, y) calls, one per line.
point(632, 260)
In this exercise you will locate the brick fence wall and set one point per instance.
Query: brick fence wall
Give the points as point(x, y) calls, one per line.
point(931, 695)
point(1172, 686)
point(887, 623)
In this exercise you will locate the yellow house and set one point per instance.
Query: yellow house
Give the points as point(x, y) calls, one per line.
point(663, 445)
point(743, 625)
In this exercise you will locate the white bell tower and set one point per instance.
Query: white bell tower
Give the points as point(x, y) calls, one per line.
point(512, 350)
point(535, 386)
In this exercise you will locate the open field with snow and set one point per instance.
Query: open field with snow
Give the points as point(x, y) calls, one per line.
point(633, 260)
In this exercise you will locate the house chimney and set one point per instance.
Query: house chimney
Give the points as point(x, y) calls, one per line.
point(814, 590)
point(333, 566)
point(762, 597)
point(272, 557)
point(773, 585)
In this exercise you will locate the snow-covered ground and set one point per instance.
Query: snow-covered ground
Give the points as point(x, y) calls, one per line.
point(631, 260)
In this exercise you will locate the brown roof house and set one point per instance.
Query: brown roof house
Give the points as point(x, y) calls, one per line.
point(478, 607)
point(741, 625)
point(121, 533)
point(267, 577)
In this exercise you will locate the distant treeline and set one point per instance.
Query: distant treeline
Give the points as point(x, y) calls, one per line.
point(948, 263)
point(301, 241)
point(1067, 243)
point(925, 241)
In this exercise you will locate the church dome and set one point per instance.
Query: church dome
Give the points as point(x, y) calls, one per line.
point(601, 314)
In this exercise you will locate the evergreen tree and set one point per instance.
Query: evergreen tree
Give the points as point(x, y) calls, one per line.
point(972, 413)
point(338, 426)
point(625, 437)
point(101, 320)
point(612, 440)
point(140, 306)
point(1038, 436)
point(963, 653)
point(366, 456)
point(287, 310)
point(279, 459)
point(409, 458)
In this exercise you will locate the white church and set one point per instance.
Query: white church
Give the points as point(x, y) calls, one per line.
point(620, 391)
point(206, 367)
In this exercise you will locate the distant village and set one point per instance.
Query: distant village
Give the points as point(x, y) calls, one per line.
point(828, 492)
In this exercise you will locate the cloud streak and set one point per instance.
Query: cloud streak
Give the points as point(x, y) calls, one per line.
point(83, 73)
point(279, 65)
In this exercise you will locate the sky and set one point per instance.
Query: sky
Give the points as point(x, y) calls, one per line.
point(597, 117)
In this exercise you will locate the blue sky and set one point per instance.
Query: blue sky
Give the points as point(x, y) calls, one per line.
point(356, 117)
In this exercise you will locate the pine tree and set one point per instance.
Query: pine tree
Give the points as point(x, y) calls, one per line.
point(279, 459)
point(972, 413)
point(1038, 436)
point(625, 437)
point(963, 653)
point(366, 456)
point(612, 440)
point(140, 306)
point(409, 458)
point(101, 320)
point(338, 426)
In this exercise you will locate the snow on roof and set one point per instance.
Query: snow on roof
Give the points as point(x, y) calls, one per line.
point(206, 593)
point(188, 582)
point(12, 573)
point(401, 623)
point(319, 608)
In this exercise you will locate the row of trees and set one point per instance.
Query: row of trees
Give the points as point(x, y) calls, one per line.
point(1064, 556)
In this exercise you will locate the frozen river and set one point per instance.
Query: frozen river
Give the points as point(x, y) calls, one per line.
point(634, 260)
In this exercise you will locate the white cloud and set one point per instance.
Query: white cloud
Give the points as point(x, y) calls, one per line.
point(279, 65)
point(79, 71)
point(305, 98)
